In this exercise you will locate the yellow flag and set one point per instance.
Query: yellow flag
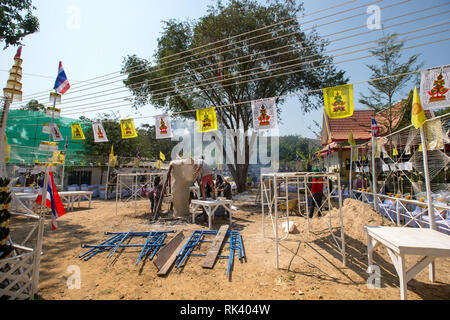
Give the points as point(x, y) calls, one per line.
point(420, 147)
point(351, 140)
point(418, 116)
point(339, 101)
point(395, 152)
point(128, 129)
point(58, 157)
point(77, 132)
point(158, 164)
point(162, 156)
point(7, 153)
point(206, 120)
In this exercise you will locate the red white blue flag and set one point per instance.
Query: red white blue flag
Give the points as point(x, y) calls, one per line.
point(53, 200)
point(375, 128)
point(138, 155)
point(61, 83)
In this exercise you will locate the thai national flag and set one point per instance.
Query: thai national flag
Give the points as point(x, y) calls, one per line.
point(375, 128)
point(138, 155)
point(53, 201)
point(61, 83)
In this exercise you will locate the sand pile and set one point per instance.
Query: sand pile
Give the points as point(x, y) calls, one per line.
point(358, 214)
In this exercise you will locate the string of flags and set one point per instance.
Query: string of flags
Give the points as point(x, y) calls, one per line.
point(338, 104)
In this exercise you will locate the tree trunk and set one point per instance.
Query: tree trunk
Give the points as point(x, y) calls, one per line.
point(239, 173)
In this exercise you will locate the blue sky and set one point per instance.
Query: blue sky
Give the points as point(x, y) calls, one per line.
point(92, 37)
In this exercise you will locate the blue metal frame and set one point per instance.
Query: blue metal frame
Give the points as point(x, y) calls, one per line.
point(235, 242)
point(154, 241)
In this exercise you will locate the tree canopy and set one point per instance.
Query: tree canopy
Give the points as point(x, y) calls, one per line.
point(255, 61)
point(16, 21)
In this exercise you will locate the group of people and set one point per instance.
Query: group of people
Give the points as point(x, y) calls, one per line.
point(209, 188)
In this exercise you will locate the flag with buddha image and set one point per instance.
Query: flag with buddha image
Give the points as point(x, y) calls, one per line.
point(206, 120)
point(339, 101)
point(434, 87)
point(128, 129)
point(163, 128)
point(77, 132)
point(264, 113)
point(99, 132)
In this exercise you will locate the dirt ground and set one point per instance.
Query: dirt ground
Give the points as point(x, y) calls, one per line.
point(310, 262)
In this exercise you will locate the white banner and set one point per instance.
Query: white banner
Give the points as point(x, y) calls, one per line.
point(56, 134)
point(99, 132)
point(265, 115)
point(434, 87)
point(163, 127)
point(48, 146)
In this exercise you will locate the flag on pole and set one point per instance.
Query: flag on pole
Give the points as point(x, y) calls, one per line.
point(375, 128)
point(58, 157)
point(77, 132)
point(99, 132)
point(52, 201)
point(138, 156)
point(61, 83)
point(162, 156)
point(351, 140)
point(418, 116)
point(128, 129)
point(339, 101)
point(206, 120)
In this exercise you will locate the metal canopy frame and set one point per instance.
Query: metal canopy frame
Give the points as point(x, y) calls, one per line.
point(270, 197)
point(121, 184)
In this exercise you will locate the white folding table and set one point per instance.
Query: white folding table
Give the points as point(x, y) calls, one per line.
point(72, 196)
point(210, 207)
point(400, 242)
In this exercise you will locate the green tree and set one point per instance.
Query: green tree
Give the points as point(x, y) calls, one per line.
point(34, 105)
point(16, 21)
point(185, 78)
point(383, 92)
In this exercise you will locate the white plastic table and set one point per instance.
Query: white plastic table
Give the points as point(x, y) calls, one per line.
point(72, 196)
point(210, 207)
point(408, 241)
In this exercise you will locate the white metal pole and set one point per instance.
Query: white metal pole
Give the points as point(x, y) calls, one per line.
point(262, 185)
point(276, 216)
point(374, 176)
point(344, 260)
point(350, 193)
point(107, 181)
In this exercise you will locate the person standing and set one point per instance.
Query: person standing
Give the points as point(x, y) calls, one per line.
point(206, 178)
point(317, 195)
point(155, 194)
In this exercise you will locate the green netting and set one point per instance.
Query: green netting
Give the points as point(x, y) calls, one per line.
point(24, 131)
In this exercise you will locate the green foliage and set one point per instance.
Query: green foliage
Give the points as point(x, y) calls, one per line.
point(384, 91)
point(16, 21)
point(294, 146)
point(33, 105)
